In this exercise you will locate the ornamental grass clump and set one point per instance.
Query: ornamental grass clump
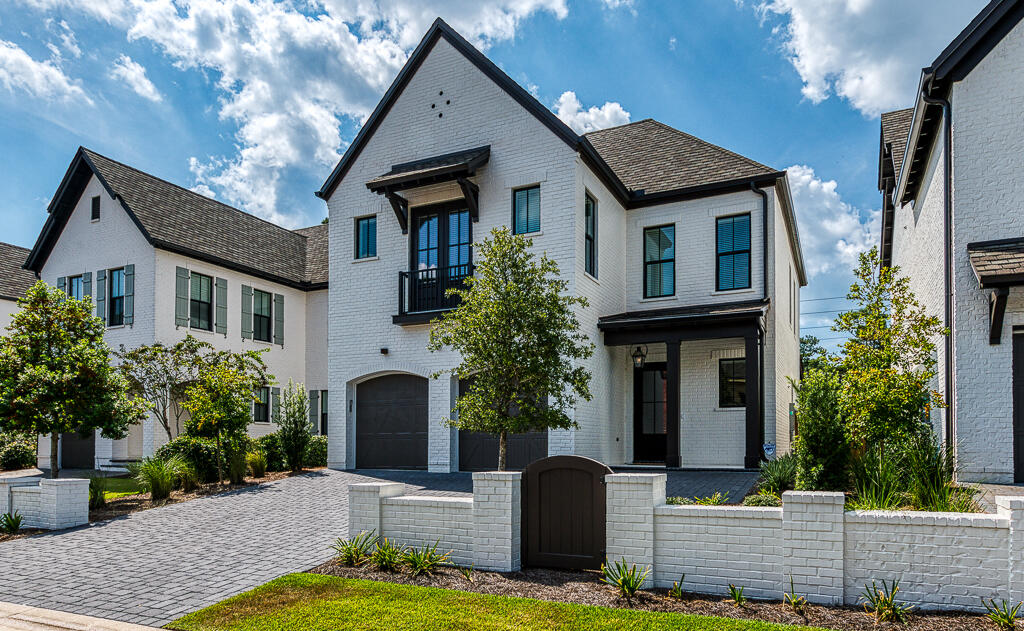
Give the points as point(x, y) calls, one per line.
point(881, 603)
point(10, 523)
point(1003, 615)
point(424, 560)
point(156, 476)
point(257, 462)
point(354, 551)
point(628, 579)
point(736, 594)
point(778, 476)
point(97, 492)
point(794, 601)
point(387, 555)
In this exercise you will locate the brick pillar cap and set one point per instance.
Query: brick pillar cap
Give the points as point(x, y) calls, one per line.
point(498, 475)
point(814, 497)
point(635, 478)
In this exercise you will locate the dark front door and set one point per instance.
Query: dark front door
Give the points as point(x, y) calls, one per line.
point(391, 423)
point(479, 451)
point(77, 451)
point(650, 413)
point(1018, 407)
point(440, 254)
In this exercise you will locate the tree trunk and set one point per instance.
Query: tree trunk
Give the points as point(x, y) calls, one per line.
point(54, 444)
point(502, 446)
point(220, 461)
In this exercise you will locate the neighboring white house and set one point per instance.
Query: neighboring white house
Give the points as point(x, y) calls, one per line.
point(688, 253)
point(956, 229)
point(161, 262)
point(14, 281)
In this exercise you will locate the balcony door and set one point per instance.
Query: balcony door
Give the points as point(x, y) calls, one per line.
point(440, 254)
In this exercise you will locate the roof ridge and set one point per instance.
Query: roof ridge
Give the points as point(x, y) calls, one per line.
point(642, 120)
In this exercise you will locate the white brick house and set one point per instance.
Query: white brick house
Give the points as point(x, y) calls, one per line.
point(162, 262)
point(14, 280)
point(687, 252)
point(955, 228)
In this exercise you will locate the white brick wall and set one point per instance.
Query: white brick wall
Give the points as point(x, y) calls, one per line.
point(52, 504)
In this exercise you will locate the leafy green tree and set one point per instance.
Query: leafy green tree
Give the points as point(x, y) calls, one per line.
point(889, 362)
point(812, 354)
point(219, 404)
point(518, 337)
point(293, 422)
point(821, 446)
point(55, 372)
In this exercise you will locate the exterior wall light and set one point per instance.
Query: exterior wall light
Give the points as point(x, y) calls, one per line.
point(639, 355)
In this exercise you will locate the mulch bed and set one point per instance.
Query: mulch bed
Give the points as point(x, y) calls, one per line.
point(585, 587)
point(21, 534)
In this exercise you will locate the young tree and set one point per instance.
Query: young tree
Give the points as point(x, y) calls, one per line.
point(889, 362)
point(293, 422)
point(160, 374)
point(518, 336)
point(812, 355)
point(55, 372)
point(219, 404)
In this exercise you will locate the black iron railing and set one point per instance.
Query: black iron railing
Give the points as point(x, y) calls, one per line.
point(426, 289)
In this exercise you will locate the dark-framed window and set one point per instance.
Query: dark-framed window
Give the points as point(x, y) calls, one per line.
point(732, 383)
point(75, 287)
point(261, 301)
point(732, 269)
point(660, 261)
point(115, 310)
point(590, 235)
point(366, 237)
point(261, 407)
point(323, 412)
point(95, 208)
point(526, 210)
point(201, 302)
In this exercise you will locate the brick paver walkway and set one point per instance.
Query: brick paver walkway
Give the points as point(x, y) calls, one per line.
point(153, 566)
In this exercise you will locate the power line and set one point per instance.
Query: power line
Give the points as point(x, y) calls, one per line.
point(821, 312)
point(819, 299)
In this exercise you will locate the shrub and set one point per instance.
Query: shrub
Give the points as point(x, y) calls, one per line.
point(736, 594)
point(17, 451)
point(821, 446)
point(387, 555)
point(716, 499)
point(188, 477)
point(929, 471)
point(779, 475)
point(355, 550)
point(237, 464)
point(97, 490)
point(270, 445)
point(881, 602)
point(200, 452)
point(628, 579)
point(157, 476)
point(1002, 615)
point(762, 499)
point(10, 523)
point(257, 462)
point(424, 560)
point(316, 452)
point(293, 419)
point(877, 481)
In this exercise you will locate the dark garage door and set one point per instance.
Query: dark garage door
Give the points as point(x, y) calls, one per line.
point(77, 451)
point(391, 423)
point(479, 452)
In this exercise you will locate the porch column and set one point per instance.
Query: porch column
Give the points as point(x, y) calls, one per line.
point(753, 389)
point(672, 405)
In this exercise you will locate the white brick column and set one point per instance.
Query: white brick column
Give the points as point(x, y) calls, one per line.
point(439, 435)
point(813, 543)
point(497, 520)
point(53, 504)
point(629, 534)
point(1013, 509)
point(364, 501)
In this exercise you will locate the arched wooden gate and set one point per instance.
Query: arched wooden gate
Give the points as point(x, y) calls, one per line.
point(564, 513)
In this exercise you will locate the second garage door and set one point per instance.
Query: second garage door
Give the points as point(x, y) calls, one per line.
point(391, 423)
point(479, 452)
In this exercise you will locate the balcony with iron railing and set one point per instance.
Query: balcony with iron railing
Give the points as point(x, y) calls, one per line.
point(423, 293)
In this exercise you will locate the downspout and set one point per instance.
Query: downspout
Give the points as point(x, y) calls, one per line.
point(764, 277)
point(947, 168)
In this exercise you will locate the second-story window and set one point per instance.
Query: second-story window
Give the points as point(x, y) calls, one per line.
point(201, 302)
point(526, 210)
point(732, 269)
point(261, 302)
point(590, 235)
point(366, 237)
point(115, 311)
point(75, 287)
point(659, 261)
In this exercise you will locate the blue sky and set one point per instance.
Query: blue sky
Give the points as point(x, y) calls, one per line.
point(252, 101)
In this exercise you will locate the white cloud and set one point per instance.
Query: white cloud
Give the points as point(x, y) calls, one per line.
point(42, 79)
point(869, 52)
point(612, 5)
point(568, 108)
point(132, 73)
point(114, 12)
point(67, 38)
point(672, 43)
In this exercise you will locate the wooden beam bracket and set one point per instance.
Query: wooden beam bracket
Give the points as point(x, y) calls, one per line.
point(401, 207)
point(472, 194)
point(996, 310)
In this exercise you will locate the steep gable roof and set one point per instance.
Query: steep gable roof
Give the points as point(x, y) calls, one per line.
point(178, 220)
point(14, 278)
point(895, 131)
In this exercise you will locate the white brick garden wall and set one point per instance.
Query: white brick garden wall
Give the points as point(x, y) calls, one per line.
point(50, 504)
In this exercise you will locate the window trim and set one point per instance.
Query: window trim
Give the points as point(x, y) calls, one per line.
point(324, 418)
point(722, 404)
point(646, 263)
point(539, 218)
point(111, 298)
point(94, 212)
point(269, 316)
point(256, 405)
point(357, 234)
point(588, 238)
point(192, 299)
point(719, 255)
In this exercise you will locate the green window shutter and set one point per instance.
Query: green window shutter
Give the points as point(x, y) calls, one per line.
point(181, 277)
point(101, 295)
point(275, 404)
point(86, 284)
point(129, 294)
point(314, 410)
point(62, 284)
point(246, 312)
point(279, 319)
point(221, 304)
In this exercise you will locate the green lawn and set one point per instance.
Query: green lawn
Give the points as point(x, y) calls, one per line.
point(313, 602)
point(119, 487)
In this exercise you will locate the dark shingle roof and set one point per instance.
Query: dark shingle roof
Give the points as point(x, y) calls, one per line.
point(652, 157)
point(316, 252)
point(998, 262)
point(895, 130)
point(709, 312)
point(14, 279)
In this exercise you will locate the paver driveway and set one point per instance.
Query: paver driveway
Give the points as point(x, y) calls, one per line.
point(153, 566)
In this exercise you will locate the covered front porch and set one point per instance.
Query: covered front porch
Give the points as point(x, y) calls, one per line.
point(696, 386)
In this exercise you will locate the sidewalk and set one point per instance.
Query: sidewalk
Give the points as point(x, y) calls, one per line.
point(24, 618)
